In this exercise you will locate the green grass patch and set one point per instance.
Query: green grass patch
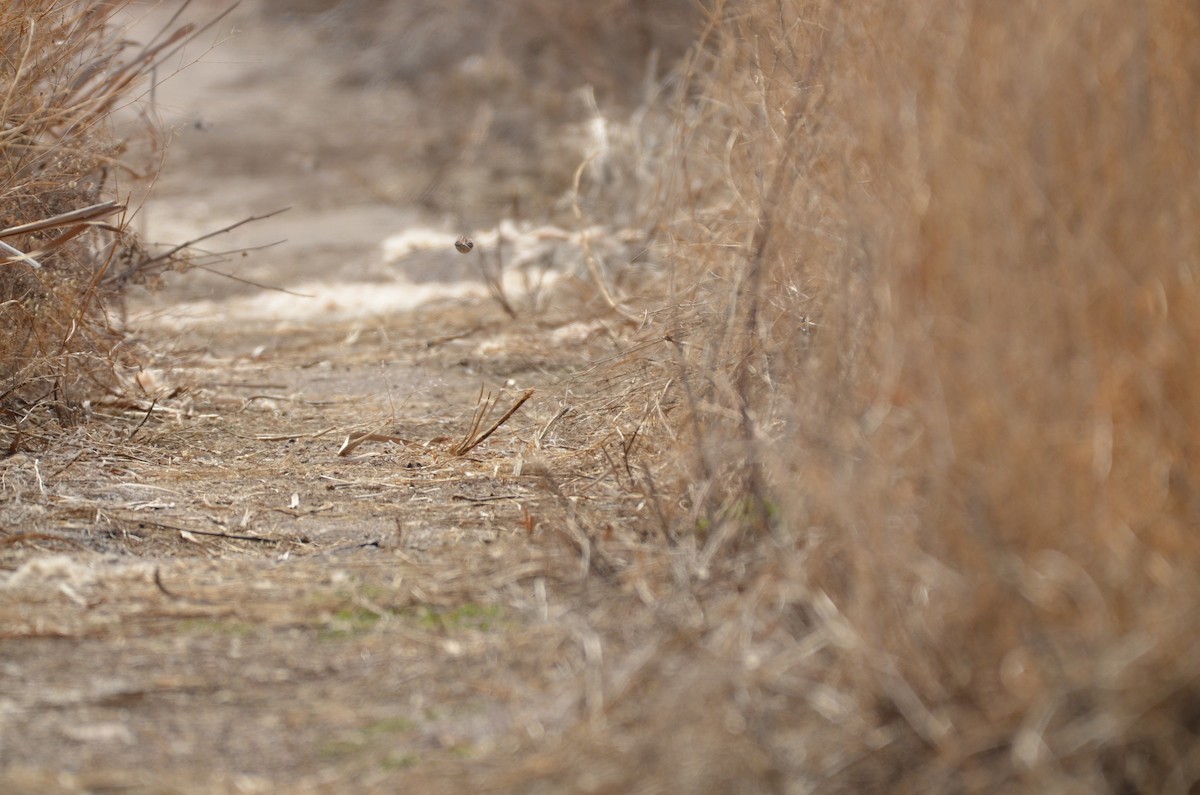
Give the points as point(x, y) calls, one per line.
point(341, 747)
point(359, 740)
point(214, 626)
point(354, 620)
point(395, 725)
point(483, 618)
point(349, 622)
point(399, 761)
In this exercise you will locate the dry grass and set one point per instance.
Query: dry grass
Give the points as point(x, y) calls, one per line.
point(895, 491)
point(64, 70)
point(936, 290)
point(943, 397)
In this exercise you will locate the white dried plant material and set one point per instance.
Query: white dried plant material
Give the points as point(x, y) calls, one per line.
point(334, 303)
point(495, 347)
point(151, 380)
point(533, 257)
point(575, 333)
point(413, 241)
point(522, 243)
point(49, 573)
point(101, 733)
point(19, 256)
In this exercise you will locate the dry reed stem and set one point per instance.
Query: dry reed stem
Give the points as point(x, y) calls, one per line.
point(473, 437)
point(589, 256)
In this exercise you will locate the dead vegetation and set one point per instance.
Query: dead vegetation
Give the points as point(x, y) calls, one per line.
point(943, 401)
point(509, 95)
point(63, 177)
point(885, 481)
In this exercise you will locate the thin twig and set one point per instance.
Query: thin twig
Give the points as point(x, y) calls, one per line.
point(590, 256)
point(483, 407)
point(182, 246)
point(463, 449)
point(133, 433)
point(19, 256)
point(159, 583)
point(251, 282)
point(89, 213)
point(541, 437)
point(68, 465)
point(353, 440)
point(212, 533)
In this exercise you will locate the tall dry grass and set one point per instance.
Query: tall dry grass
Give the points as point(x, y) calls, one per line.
point(943, 386)
point(65, 69)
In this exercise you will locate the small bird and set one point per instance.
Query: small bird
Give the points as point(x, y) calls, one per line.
point(464, 245)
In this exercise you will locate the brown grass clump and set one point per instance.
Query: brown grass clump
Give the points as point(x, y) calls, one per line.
point(63, 72)
point(945, 409)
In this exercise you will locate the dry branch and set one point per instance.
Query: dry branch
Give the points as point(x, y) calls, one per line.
point(92, 213)
point(353, 440)
point(472, 439)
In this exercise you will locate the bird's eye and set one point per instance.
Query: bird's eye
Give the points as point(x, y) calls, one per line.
point(464, 244)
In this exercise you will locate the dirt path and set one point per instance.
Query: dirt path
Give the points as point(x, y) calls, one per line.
point(206, 596)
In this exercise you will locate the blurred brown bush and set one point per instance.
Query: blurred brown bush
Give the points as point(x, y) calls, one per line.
point(951, 265)
point(502, 88)
point(63, 71)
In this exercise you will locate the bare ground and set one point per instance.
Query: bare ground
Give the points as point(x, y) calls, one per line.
point(198, 593)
